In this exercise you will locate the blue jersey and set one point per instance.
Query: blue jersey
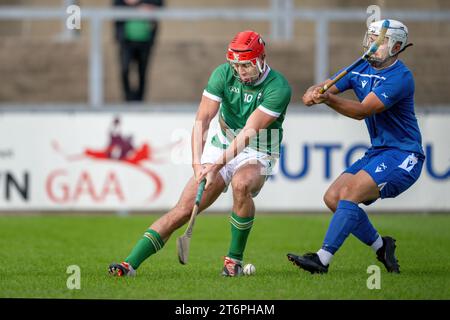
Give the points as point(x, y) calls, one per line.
point(395, 127)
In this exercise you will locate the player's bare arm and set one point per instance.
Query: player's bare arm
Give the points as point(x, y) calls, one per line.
point(256, 122)
point(207, 110)
point(350, 108)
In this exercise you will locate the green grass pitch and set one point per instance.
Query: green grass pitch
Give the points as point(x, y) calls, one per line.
point(35, 252)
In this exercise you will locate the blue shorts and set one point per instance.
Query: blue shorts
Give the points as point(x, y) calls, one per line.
point(394, 171)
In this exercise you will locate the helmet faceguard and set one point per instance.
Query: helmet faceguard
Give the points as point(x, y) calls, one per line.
point(247, 50)
point(396, 33)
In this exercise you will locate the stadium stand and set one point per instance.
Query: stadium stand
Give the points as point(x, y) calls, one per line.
point(40, 67)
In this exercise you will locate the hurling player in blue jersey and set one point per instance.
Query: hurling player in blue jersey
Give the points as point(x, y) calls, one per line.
point(385, 90)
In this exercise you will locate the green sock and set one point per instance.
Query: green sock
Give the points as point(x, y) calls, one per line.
point(144, 248)
point(240, 229)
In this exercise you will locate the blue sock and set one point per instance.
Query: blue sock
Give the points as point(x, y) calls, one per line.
point(344, 221)
point(365, 231)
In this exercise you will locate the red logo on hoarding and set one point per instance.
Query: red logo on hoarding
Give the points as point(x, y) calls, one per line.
point(121, 150)
point(83, 186)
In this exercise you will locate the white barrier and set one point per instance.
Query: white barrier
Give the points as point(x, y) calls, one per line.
point(58, 161)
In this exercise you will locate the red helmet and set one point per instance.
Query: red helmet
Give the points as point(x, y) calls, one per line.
point(247, 46)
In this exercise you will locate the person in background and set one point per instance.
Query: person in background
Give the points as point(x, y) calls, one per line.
point(136, 39)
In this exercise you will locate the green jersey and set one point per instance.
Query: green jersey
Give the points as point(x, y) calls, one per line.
point(271, 94)
point(137, 30)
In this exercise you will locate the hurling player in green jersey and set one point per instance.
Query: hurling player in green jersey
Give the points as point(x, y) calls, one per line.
point(251, 100)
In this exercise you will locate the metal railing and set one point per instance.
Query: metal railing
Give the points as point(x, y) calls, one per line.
point(281, 15)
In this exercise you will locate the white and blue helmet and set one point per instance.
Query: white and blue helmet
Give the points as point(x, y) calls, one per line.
point(397, 32)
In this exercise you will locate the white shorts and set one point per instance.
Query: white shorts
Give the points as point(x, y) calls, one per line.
point(212, 152)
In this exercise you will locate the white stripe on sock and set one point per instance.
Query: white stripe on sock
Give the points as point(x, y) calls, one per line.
point(325, 256)
point(377, 244)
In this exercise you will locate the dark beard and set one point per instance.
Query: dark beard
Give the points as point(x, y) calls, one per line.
point(375, 62)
